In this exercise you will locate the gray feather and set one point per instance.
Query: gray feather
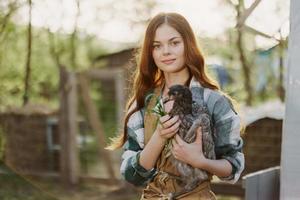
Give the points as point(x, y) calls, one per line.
point(192, 116)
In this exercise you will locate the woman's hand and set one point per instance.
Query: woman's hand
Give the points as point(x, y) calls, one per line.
point(167, 126)
point(190, 153)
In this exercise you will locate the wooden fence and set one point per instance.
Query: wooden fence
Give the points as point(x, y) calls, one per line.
point(262, 185)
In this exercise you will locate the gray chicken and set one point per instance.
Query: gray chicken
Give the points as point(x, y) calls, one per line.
point(192, 116)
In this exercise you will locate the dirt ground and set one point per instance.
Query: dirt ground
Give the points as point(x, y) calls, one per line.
point(14, 186)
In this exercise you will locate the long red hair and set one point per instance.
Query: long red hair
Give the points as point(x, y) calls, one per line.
point(148, 76)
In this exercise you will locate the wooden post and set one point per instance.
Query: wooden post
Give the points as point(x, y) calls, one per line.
point(120, 95)
point(95, 122)
point(290, 154)
point(118, 76)
point(69, 162)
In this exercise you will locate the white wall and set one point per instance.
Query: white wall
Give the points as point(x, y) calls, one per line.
point(290, 155)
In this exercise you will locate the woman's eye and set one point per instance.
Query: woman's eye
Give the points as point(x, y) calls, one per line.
point(174, 43)
point(156, 46)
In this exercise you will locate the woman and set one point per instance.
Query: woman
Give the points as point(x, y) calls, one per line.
point(170, 56)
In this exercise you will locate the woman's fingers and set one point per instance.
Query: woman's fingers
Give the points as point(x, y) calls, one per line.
point(175, 148)
point(169, 126)
point(164, 118)
point(168, 121)
point(171, 130)
point(180, 141)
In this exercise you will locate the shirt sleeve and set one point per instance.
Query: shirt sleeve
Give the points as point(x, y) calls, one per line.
point(226, 125)
point(130, 168)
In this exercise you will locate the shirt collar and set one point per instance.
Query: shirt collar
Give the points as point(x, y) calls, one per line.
point(194, 83)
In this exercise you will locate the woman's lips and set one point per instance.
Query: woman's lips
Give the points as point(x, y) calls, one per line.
point(169, 61)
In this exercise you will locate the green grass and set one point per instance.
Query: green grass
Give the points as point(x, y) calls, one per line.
point(15, 187)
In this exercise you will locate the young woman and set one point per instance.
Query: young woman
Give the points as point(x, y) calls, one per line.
point(170, 56)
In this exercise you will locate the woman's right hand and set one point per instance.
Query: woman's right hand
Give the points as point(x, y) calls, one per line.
point(167, 126)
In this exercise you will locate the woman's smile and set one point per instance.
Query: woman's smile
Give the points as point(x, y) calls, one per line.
point(168, 61)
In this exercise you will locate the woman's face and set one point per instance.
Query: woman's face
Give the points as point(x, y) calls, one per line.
point(168, 49)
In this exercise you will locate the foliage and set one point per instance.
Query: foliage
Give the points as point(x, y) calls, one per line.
point(158, 108)
point(45, 74)
point(223, 51)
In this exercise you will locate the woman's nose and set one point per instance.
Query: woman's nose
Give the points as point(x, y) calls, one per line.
point(166, 50)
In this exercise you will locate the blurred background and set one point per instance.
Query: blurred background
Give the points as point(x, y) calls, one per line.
point(65, 71)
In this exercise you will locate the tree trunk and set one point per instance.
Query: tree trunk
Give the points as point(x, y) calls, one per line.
point(245, 68)
point(28, 59)
point(243, 60)
point(73, 39)
point(53, 50)
point(280, 88)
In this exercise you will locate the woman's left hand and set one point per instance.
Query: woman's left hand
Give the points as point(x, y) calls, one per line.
point(189, 153)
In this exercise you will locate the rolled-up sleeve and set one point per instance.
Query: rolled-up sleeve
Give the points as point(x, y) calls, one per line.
point(228, 142)
point(130, 168)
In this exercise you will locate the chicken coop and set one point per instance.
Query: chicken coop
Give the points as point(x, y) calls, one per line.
point(262, 137)
point(26, 149)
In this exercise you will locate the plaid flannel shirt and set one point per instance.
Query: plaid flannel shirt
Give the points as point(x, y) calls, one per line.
point(226, 127)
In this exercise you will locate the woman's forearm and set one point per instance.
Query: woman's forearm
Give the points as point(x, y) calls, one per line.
point(151, 152)
point(220, 168)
